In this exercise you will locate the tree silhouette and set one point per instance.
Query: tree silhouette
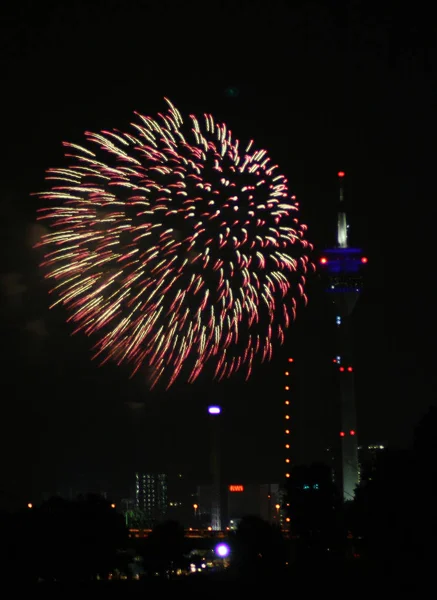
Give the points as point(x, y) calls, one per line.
point(316, 518)
point(166, 546)
point(394, 511)
point(76, 540)
point(259, 548)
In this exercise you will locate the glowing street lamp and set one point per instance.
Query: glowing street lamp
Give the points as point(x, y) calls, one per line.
point(195, 506)
point(222, 550)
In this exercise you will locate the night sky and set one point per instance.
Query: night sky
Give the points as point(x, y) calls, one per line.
point(352, 89)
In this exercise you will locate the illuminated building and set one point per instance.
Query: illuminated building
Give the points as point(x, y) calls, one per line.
point(240, 500)
point(253, 499)
point(368, 458)
point(151, 496)
point(344, 266)
point(181, 498)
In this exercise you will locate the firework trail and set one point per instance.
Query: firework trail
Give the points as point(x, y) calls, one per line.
point(174, 247)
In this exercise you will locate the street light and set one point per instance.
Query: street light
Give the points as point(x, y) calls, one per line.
point(222, 550)
point(195, 506)
point(277, 506)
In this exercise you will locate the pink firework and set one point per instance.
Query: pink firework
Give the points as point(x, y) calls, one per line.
point(173, 247)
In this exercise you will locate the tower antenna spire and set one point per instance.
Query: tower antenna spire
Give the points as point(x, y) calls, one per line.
point(341, 216)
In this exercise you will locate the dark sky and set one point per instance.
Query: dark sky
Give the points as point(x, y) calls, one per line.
point(323, 90)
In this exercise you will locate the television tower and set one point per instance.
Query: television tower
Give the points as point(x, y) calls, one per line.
point(344, 268)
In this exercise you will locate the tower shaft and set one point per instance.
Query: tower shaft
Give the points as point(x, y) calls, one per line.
point(350, 472)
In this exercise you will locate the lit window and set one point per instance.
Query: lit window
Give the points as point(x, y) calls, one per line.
point(287, 474)
point(287, 373)
point(287, 388)
point(287, 416)
point(287, 445)
point(287, 460)
point(287, 402)
point(287, 431)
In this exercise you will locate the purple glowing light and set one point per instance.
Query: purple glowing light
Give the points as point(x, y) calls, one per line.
point(222, 550)
point(214, 410)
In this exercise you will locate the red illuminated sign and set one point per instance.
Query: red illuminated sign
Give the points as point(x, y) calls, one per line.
point(236, 488)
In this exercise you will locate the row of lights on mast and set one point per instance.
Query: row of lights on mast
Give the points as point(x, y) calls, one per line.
point(287, 418)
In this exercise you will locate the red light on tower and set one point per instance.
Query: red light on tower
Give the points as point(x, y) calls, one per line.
point(291, 360)
point(350, 369)
point(341, 369)
point(323, 260)
point(364, 260)
point(342, 434)
point(352, 432)
point(341, 174)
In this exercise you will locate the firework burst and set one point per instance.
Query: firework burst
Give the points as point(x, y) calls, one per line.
point(173, 247)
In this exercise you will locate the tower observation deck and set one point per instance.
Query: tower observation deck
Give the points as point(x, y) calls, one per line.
point(343, 267)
